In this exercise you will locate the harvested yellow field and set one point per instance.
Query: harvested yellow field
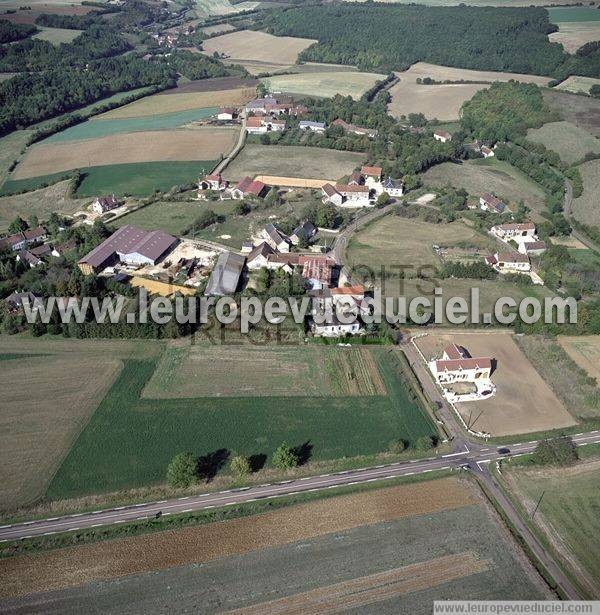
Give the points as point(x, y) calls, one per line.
point(200, 144)
point(161, 288)
point(577, 84)
point(117, 558)
point(171, 103)
point(443, 101)
point(523, 402)
point(293, 182)
point(257, 46)
point(573, 35)
point(585, 351)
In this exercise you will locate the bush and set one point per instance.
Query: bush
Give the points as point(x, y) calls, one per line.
point(425, 443)
point(559, 451)
point(240, 466)
point(182, 471)
point(397, 446)
point(285, 457)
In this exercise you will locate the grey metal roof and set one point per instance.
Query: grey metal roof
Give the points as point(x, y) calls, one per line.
point(225, 277)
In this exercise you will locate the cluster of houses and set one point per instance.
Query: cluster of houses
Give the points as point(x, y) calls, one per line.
point(528, 244)
point(31, 246)
point(246, 187)
point(362, 189)
point(461, 376)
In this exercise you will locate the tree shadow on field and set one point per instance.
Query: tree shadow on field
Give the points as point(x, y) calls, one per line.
point(304, 452)
point(257, 462)
point(209, 465)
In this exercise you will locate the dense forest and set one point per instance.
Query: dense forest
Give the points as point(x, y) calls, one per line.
point(10, 32)
point(392, 37)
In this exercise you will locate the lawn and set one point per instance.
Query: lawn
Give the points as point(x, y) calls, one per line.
point(489, 175)
point(443, 101)
point(40, 421)
point(169, 216)
point(293, 161)
point(394, 241)
point(129, 441)
point(585, 208)
point(206, 143)
point(570, 142)
point(567, 514)
point(325, 84)
point(93, 129)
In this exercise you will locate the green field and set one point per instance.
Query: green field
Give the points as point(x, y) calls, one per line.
point(572, 14)
point(570, 142)
point(101, 128)
point(10, 149)
point(568, 514)
point(56, 36)
point(171, 217)
point(129, 441)
point(585, 207)
point(488, 175)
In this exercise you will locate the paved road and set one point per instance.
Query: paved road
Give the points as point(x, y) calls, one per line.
point(472, 456)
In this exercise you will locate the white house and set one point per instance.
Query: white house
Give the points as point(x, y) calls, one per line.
point(227, 114)
point(313, 126)
point(515, 231)
point(532, 248)
point(354, 196)
point(212, 182)
point(335, 328)
point(304, 232)
point(331, 195)
point(487, 152)
point(258, 258)
point(394, 187)
point(276, 240)
point(442, 135)
point(261, 125)
point(509, 262)
point(102, 204)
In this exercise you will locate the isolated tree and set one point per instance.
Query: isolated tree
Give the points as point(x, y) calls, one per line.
point(285, 457)
point(182, 471)
point(383, 199)
point(424, 443)
point(240, 466)
point(397, 446)
point(558, 451)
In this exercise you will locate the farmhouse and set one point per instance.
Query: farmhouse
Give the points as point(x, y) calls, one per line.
point(442, 135)
point(225, 277)
point(335, 328)
point(331, 195)
point(533, 248)
point(354, 196)
point(28, 257)
point(356, 179)
point(249, 187)
point(488, 202)
point(304, 232)
point(260, 105)
point(357, 130)
point(394, 187)
point(102, 204)
point(317, 271)
point(15, 301)
point(457, 365)
point(259, 256)
point(509, 262)
point(371, 174)
point(313, 126)
point(130, 245)
point(212, 182)
point(275, 238)
point(515, 231)
point(20, 241)
point(226, 114)
point(486, 152)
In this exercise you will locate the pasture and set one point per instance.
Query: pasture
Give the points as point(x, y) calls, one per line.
point(585, 208)
point(210, 8)
point(570, 142)
point(583, 111)
point(159, 104)
point(32, 10)
point(293, 161)
point(585, 351)
point(216, 84)
point(393, 241)
point(41, 203)
point(443, 101)
point(574, 35)
point(186, 371)
point(523, 403)
point(568, 513)
point(559, 15)
point(151, 146)
point(488, 175)
point(361, 534)
point(577, 84)
point(93, 129)
point(56, 36)
point(130, 440)
point(254, 46)
point(169, 216)
point(325, 85)
point(11, 147)
point(40, 421)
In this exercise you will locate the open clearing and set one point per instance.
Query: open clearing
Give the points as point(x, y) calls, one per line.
point(292, 161)
point(570, 142)
point(56, 36)
point(445, 100)
point(577, 84)
point(130, 440)
point(169, 216)
point(94, 129)
point(204, 371)
point(257, 46)
point(523, 402)
point(489, 175)
point(39, 202)
point(583, 111)
point(393, 241)
point(40, 421)
point(574, 35)
point(585, 351)
point(567, 514)
point(166, 145)
point(586, 208)
point(326, 84)
point(160, 104)
point(342, 552)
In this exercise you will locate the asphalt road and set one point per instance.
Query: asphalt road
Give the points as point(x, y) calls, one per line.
point(473, 457)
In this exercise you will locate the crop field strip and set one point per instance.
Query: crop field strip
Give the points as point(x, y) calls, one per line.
point(585, 208)
point(570, 142)
point(585, 351)
point(123, 431)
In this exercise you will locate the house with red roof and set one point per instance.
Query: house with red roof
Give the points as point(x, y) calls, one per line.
point(249, 187)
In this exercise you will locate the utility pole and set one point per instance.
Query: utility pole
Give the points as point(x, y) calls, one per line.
point(537, 505)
